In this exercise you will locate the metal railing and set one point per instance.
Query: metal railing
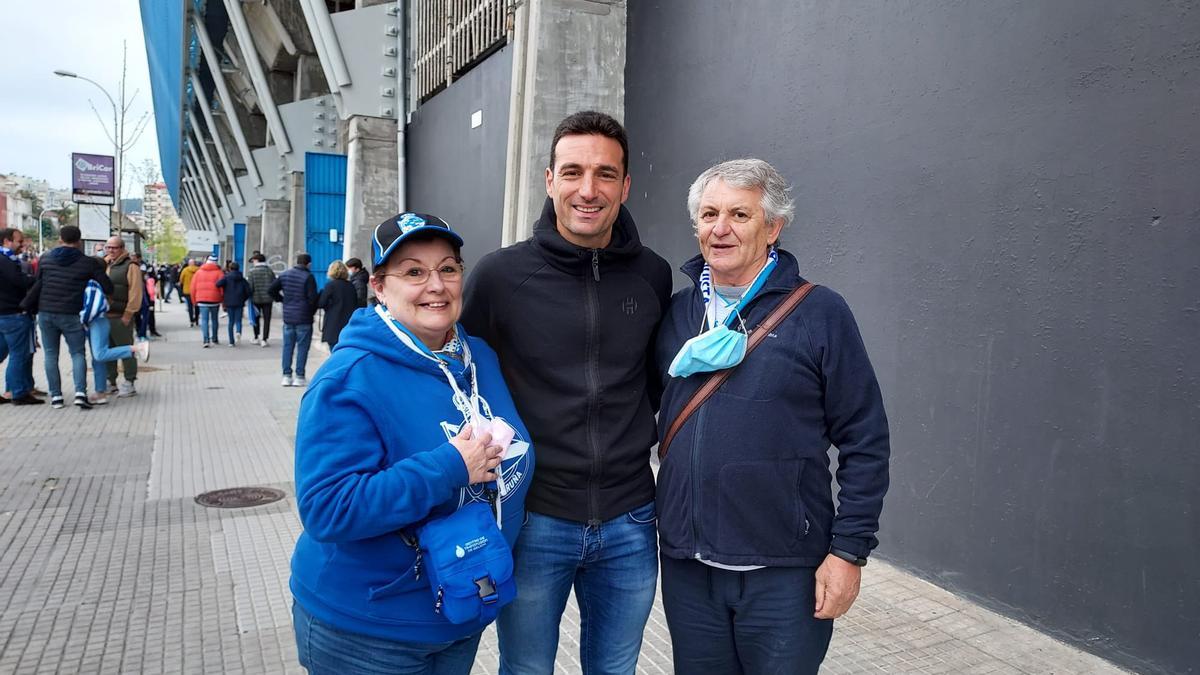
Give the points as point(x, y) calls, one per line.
point(450, 36)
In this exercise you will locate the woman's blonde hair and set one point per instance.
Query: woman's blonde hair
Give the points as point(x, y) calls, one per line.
point(337, 270)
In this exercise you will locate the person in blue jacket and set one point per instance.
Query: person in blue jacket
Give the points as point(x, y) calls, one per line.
point(756, 561)
point(385, 442)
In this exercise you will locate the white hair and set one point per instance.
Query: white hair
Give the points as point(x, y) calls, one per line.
point(747, 174)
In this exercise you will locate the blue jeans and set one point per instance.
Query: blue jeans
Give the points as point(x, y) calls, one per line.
point(235, 321)
point(54, 326)
point(326, 650)
point(743, 622)
point(98, 332)
point(612, 566)
point(297, 336)
point(16, 344)
point(210, 318)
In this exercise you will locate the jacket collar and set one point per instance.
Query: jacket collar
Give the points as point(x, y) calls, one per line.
point(560, 253)
point(783, 278)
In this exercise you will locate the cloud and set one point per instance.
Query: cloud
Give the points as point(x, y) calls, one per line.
point(45, 118)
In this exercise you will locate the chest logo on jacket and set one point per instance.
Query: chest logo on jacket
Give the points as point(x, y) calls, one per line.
point(513, 468)
point(629, 306)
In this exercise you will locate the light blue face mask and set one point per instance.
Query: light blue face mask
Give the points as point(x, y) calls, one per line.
point(710, 351)
point(719, 347)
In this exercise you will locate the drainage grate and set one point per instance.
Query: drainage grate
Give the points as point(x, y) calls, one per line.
point(239, 498)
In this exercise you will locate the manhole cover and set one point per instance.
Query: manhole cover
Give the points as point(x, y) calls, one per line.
point(239, 498)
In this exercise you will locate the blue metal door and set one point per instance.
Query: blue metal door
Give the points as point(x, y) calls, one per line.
point(239, 244)
point(324, 210)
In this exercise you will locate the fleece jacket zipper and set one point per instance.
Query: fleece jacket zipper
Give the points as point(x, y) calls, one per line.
point(592, 375)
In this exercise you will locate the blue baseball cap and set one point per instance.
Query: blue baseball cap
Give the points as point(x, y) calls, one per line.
point(395, 230)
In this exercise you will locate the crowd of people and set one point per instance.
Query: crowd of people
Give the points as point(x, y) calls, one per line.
point(101, 300)
point(426, 517)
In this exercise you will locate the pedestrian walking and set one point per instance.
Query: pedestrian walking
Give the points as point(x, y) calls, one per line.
point(361, 281)
point(237, 292)
point(297, 290)
point(261, 277)
point(207, 296)
point(339, 300)
point(126, 301)
point(95, 321)
point(185, 286)
point(57, 297)
point(16, 327)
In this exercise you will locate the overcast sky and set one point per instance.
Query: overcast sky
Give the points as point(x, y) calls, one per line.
point(44, 118)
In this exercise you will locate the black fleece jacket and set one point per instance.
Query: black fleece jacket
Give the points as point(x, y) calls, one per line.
point(62, 275)
point(14, 284)
point(575, 330)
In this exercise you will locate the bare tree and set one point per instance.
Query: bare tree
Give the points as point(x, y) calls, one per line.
point(124, 140)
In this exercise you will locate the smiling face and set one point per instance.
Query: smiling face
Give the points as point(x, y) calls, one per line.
point(428, 310)
point(733, 232)
point(588, 185)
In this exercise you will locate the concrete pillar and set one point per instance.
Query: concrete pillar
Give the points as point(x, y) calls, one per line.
point(296, 217)
point(310, 78)
point(254, 232)
point(570, 56)
point(274, 223)
point(371, 181)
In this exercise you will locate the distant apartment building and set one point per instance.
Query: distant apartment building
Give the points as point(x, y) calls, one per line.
point(156, 208)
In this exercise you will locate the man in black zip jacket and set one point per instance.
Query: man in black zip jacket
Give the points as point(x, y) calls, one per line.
point(572, 313)
point(62, 275)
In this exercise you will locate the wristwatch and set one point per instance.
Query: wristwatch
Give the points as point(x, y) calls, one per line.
point(848, 557)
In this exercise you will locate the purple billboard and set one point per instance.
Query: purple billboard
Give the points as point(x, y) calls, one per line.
point(93, 178)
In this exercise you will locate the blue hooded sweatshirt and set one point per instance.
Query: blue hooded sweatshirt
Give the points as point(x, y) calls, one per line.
point(373, 458)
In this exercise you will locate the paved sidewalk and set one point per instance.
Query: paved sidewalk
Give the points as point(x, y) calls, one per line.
point(108, 565)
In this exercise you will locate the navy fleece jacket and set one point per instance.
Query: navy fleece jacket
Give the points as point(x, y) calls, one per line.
point(746, 481)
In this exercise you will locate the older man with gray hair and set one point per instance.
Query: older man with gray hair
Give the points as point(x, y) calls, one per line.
point(125, 302)
point(756, 560)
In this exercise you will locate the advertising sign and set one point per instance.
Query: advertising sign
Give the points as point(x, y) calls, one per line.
point(94, 222)
point(93, 178)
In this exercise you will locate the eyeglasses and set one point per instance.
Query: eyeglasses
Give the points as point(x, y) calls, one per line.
point(416, 275)
point(115, 248)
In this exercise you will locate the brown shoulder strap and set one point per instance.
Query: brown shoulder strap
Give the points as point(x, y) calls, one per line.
point(714, 382)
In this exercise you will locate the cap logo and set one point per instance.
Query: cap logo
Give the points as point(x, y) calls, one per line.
point(409, 223)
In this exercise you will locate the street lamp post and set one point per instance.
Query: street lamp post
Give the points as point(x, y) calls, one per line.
point(118, 138)
point(41, 249)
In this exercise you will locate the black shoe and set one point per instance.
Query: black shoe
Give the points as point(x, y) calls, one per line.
point(27, 399)
point(82, 402)
point(5, 399)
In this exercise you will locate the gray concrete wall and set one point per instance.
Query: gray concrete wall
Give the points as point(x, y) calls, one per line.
point(1006, 195)
point(275, 216)
point(457, 172)
point(570, 56)
point(372, 181)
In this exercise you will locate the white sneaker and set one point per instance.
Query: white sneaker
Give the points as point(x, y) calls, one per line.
point(142, 350)
point(206, 345)
point(299, 382)
point(125, 389)
point(286, 381)
point(232, 344)
point(254, 341)
point(264, 342)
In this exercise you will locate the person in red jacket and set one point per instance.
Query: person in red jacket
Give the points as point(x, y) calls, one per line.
point(208, 297)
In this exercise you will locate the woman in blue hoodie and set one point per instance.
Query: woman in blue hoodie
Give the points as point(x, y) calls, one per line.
point(393, 433)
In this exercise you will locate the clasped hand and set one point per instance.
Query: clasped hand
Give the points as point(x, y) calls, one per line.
point(478, 453)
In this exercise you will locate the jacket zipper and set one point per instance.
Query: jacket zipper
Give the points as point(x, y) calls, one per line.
point(593, 382)
point(695, 479)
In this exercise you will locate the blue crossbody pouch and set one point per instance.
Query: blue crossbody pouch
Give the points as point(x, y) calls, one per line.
point(467, 562)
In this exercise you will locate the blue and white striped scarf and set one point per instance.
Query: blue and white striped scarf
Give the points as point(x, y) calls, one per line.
point(10, 254)
point(94, 302)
